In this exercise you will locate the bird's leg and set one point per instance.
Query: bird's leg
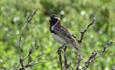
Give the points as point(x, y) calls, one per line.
point(60, 55)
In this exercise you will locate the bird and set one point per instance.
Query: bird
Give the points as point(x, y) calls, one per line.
point(61, 34)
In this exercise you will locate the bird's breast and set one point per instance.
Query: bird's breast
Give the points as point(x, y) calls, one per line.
point(58, 39)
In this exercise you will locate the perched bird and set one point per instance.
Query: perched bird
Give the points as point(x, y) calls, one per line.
point(61, 34)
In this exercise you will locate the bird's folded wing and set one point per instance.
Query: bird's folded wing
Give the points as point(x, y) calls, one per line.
point(64, 33)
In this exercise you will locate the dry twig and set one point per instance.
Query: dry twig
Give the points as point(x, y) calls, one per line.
point(85, 30)
point(22, 59)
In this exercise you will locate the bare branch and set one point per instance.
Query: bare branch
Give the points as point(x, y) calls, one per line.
point(22, 59)
point(84, 31)
point(65, 58)
point(66, 65)
point(78, 62)
point(104, 47)
point(22, 64)
point(29, 20)
point(96, 54)
point(60, 56)
point(91, 59)
point(23, 30)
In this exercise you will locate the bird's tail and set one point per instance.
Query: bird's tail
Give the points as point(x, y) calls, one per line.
point(76, 46)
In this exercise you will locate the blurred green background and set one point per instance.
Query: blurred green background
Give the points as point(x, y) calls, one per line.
point(76, 15)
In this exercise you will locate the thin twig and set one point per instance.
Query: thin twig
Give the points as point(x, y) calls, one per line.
point(22, 64)
point(29, 20)
point(66, 66)
point(19, 43)
point(96, 54)
point(65, 59)
point(23, 29)
point(78, 62)
point(91, 59)
point(60, 56)
point(85, 30)
point(104, 47)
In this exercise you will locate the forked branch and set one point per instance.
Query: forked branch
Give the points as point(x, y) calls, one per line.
point(85, 30)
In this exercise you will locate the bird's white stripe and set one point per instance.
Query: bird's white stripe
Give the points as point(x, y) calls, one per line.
point(52, 28)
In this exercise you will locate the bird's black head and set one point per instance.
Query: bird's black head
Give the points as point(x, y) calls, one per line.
point(54, 19)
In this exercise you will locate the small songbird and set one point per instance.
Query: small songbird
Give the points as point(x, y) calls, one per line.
point(61, 34)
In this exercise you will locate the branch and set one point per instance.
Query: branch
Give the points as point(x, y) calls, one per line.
point(60, 56)
point(29, 19)
point(85, 30)
point(65, 58)
point(104, 47)
point(66, 65)
point(22, 59)
point(78, 62)
point(27, 61)
point(22, 64)
point(96, 54)
point(23, 30)
point(91, 59)
point(80, 40)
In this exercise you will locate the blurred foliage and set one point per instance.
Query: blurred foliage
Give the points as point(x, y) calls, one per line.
point(76, 15)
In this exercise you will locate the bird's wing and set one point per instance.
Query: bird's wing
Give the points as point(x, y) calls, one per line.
point(64, 33)
point(67, 36)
